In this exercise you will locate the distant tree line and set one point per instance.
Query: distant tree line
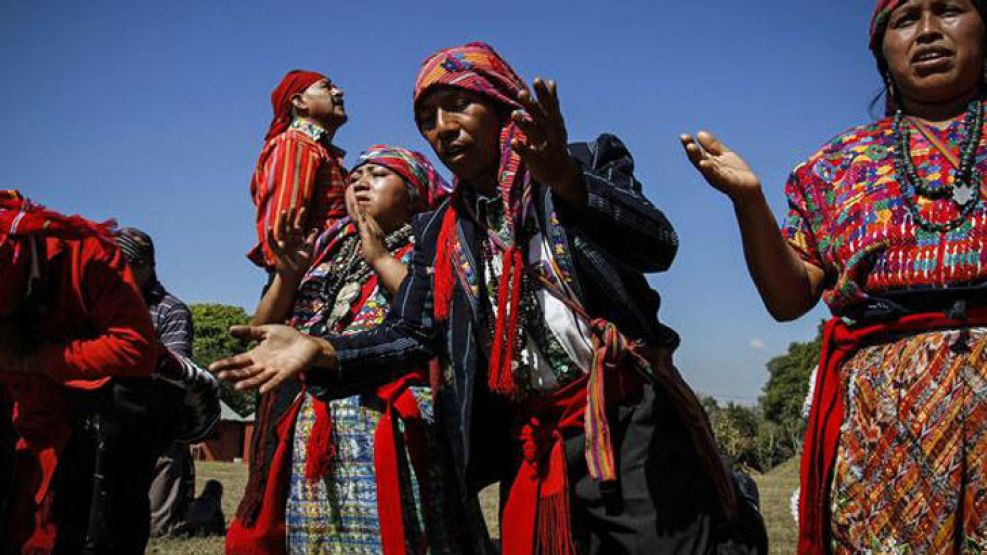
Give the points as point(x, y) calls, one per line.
point(770, 433)
point(213, 342)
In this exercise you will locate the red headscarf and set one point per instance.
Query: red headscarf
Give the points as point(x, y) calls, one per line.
point(478, 68)
point(20, 218)
point(294, 82)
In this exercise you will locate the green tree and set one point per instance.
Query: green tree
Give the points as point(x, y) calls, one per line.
point(764, 436)
point(213, 342)
point(788, 382)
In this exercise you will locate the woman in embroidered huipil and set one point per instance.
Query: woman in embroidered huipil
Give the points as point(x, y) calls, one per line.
point(888, 226)
point(348, 484)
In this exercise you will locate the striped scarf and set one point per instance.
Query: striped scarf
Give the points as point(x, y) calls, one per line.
point(478, 68)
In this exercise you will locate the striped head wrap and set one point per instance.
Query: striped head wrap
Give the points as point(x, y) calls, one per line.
point(882, 14)
point(478, 68)
point(137, 246)
point(413, 167)
point(474, 66)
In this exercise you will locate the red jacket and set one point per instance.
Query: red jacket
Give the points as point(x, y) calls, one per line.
point(91, 325)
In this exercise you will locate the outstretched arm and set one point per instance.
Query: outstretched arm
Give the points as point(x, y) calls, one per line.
point(349, 363)
point(789, 286)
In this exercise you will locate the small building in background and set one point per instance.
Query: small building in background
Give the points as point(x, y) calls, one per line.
point(230, 442)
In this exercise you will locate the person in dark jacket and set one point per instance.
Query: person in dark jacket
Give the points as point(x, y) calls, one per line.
point(530, 283)
point(172, 484)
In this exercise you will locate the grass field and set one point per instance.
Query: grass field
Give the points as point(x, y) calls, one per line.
point(776, 489)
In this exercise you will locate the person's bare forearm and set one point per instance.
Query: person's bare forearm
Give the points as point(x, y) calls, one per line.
point(275, 306)
point(788, 287)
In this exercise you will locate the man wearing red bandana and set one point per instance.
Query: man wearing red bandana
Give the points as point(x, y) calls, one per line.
point(299, 167)
point(71, 318)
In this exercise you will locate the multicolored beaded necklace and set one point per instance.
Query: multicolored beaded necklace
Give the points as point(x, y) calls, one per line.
point(964, 191)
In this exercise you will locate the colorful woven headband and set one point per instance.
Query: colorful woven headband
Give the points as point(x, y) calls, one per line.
point(879, 21)
point(882, 13)
point(413, 167)
point(475, 67)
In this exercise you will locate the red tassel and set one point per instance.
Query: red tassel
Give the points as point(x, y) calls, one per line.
point(444, 277)
point(500, 377)
point(553, 534)
point(320, 450)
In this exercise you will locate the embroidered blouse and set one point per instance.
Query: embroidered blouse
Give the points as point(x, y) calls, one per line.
point(847, 216)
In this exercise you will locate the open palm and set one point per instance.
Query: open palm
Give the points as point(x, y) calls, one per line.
point(291, 243)
point(282, 353)
point(723, 168)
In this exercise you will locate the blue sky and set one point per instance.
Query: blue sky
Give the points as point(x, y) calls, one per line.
point(153, 113)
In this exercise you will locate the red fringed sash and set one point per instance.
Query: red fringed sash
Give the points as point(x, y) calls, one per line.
point(537, 514)
point(265, 534)
point(500, 377)
point(320, 451)
point(401, 404)
point(822, 435)
point(444, 277)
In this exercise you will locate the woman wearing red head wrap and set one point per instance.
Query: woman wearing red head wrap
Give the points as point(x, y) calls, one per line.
point(530, 281)
point(71, 319)
point(299, 167)
point(887, 224)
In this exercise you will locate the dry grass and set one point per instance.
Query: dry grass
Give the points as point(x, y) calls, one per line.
point(776, 489)
point(234, 478)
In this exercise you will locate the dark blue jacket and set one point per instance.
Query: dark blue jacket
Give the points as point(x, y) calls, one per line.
point(609, 246)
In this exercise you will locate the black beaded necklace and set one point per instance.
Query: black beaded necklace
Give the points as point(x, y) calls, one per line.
point(965, 190)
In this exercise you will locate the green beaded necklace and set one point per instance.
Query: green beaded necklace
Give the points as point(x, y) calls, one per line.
point(965, 190)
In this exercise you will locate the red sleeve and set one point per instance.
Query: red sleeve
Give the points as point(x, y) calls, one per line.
point(289, 172)
point(123, 341)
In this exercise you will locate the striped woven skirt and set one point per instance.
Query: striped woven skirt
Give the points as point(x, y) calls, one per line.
point(911, 466)
point(339, 513)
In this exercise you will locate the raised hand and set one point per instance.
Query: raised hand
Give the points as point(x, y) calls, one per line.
point(283, 352)
point(723, 168)
point(545, 149)
point(291, 245)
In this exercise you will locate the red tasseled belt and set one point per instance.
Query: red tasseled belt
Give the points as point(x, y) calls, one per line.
point(536, 516)
point(839, 343)
point(267, 535)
